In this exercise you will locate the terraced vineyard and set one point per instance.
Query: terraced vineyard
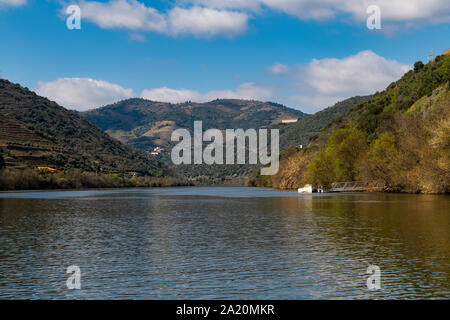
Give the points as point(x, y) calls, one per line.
point(35, 131)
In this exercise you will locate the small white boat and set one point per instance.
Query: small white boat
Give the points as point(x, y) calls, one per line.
point(306, 189)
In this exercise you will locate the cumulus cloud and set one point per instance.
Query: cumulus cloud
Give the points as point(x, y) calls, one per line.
point(12, 3)
point(128, 14)
point(244, 91)
point(391, 10)
point(206, 18)
point(324, 82)
point(205, 21)
point(278, 68)
point(313, 86)
point(136, 16)
point(399, 10)
point(82, 93)
point(165, 94)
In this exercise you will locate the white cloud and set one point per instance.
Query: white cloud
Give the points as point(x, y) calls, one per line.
point(128, 14)
point(314, 86)
point(136, 16)
point(391, 10)
point(12, 3)
point(249, 91)
point(82, 93)
point(278, 68)
point(324, 82)
point(244, 91)
point(207, 22)
point(208, 18)
point(399, 10)
point(251, 5)
point(165, 94)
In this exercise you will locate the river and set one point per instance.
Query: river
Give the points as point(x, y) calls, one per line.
point(223, 243)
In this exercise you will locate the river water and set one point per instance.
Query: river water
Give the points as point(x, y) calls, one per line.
point(223, 243)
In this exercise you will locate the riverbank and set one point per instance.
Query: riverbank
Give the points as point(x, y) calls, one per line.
point(293, 180)
point(28, 179)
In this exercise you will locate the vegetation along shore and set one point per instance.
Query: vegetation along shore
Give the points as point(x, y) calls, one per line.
point(400, 136)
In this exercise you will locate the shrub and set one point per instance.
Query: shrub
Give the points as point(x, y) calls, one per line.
point(418, 66)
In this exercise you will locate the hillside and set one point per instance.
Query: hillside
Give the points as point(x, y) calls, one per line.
point(400, 136)
point(146, 124)
point(35, 131)
point(299, 133)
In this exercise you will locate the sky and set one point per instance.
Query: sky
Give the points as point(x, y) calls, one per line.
point(305, 54)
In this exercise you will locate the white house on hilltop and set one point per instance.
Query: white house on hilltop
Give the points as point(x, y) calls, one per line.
point(290, 120)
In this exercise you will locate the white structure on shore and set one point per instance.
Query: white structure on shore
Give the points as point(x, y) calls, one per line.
point(290, 120)
point(306, 189)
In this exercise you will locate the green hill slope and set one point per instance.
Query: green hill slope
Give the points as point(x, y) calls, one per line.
point(35, 131)
point(400, 136)
point(146, 124)
point(300, 133)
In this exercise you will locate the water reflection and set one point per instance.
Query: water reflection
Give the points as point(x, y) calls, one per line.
point(223, 243)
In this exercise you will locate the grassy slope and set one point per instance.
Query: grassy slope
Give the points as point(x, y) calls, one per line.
point(413, 112)
point(377, 114)
point(140, 122)
point(35, 131)
point(300, 133)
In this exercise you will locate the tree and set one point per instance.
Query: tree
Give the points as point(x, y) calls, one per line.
point(418, 66)
point(383, 158)
point(2, 162)
point(346, 146)
point(321, 170)
point(445, 71)
point(339, 161)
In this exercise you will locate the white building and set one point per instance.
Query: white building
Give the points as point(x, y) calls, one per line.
point(290, 120)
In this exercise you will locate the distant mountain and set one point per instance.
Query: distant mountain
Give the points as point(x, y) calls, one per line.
point(35, 131)
point(299, 133)
point(146, 124)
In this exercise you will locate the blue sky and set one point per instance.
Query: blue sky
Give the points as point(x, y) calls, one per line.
point(306, 54)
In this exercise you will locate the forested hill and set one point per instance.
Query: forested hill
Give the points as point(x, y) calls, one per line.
point(35, 131)
point(299, 133)
point(400, 136)
point(145, 124)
